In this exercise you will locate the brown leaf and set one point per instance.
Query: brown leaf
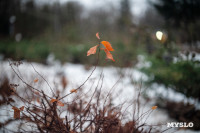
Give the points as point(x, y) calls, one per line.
point(97, 35)
point(64, 82)
point(107, 45)
point(16, 112)
point(59, 103)
point(15, 108)
point(22, 108)
point(12, 91)
point(11, 100)
point(73, 90)
point(38, 100)
point(53, 100)
point(92, 50)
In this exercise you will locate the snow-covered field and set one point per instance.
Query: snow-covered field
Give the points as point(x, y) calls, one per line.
point(126, 88)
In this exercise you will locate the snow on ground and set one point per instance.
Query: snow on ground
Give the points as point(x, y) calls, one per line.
point(125, 89)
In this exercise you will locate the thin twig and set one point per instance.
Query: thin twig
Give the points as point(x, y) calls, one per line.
point(43, 79)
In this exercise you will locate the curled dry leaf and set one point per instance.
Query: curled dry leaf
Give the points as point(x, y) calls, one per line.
point(97, 35)
point(38, 100)
point(17, 111)
point(59, 103)
point(16, 114)
point(53, 100)
point(107, 45)
point(36, 80)
point(14, 108)
point(109, 55)
point(92, 50)
point(64, 82)
point(22, 108)
point(12, 91)
point(154, 107)
point(11, 100)
point(73, 90)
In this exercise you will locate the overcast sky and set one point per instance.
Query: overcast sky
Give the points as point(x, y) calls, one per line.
point(137, 6)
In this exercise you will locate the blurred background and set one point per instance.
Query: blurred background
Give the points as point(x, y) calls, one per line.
point(33, 29)
point(161, 38)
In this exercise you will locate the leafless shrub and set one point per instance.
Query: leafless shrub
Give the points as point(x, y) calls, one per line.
point(86, 112)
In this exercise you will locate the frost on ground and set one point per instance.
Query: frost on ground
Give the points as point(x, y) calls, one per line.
point(125, 85)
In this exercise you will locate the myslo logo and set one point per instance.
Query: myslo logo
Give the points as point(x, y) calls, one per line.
point(180, 124)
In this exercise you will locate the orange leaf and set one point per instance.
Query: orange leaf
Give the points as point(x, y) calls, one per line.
point(22, 108)
point(97, 35)
point(73, 90)
point(109, 55)
point(53, 100)
point(107, 45)
point(154, 107)
point(92, 50)
point(36, 80)
point(59, 103)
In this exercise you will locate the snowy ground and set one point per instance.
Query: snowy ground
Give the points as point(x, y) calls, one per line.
point(125, 90)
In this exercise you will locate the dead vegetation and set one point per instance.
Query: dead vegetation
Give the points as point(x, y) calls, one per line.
point(52, 110)
point(35, 111)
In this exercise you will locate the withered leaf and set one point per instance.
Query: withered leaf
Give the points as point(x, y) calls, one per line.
point(17, 111)
point(22, 108)
point(73, 90)
point(36, 80)
point(38, 100)
point(59, 103)
point(92, 50)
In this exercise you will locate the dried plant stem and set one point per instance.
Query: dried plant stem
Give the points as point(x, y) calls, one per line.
point(43, 79)
point(87, 77)
point(24, 81)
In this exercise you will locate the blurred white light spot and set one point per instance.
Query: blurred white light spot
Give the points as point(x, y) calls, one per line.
point(12, 19)
point(18, 37)
point(159, 35)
